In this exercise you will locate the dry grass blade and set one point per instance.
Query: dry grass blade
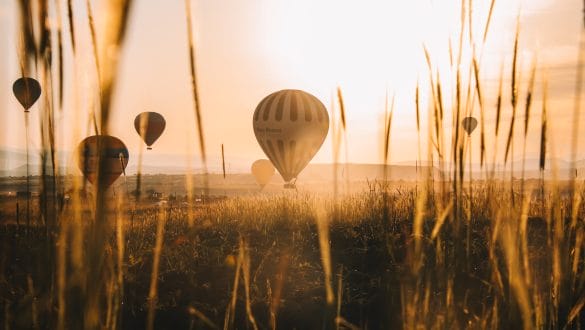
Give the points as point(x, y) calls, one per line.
point(499, 101)
point(342, 323)
point(196, 101)
point(418, 154)
point(450, 52)
point(417, 104)
point(516, 277)
point(231, 309)
point(60, 45)
point(44, 37)
point(198, 314)
point(439, 98)
point(153, 291)
point(455, 143)
point(71, 23)
point(341, 107)
point(222, 160)
point(428, 58)
point(96, 58)
point(543, 127)
point(121, 249)
point(417, 232)
point(438, 118)
point(92, 33)
point(441, 219)
point(580, 70)
point(514, 92)
point(523, 236)
point(339, 293)
point(387, 129)
point(528, 103)
point(576, 310)
point(461, 31)
point(488, 21)
point(336, 142)
point(343, 119)
point(514, 76)
point(116, 26)
point(246, 275)
point(325, 249)
point(481, 110)
point(470, 19)
point(477, 82)
point(27, 36)
point(579, 240)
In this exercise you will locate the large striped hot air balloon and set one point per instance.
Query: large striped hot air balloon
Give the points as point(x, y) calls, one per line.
point(149, 125)
point(102, 150)
point(290, 126)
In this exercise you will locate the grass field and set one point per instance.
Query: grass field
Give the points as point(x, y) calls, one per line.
point(259, 262)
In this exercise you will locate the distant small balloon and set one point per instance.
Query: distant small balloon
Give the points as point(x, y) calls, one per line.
point(263, 170)
point(114, 158)
point(469, 124)
point(27, 91)
point(150, 126)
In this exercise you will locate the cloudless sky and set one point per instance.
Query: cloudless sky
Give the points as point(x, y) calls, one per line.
point(249, 49)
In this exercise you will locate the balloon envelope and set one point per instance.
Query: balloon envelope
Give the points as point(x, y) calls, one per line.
point(112, 152)
point(469, 124)
point(150, 126)
point(263, 170)
point(27, 91)
point(290, 126)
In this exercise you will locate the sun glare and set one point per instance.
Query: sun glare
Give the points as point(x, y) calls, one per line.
point(374, 49)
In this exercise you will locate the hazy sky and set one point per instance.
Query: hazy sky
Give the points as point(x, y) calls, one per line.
point(249, 49)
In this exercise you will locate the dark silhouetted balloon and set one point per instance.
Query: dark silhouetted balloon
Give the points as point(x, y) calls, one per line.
point(149, 126)
point(114, 155)
point(469, 124)
point(263, 170)
point(290, 126)
point(27, 91)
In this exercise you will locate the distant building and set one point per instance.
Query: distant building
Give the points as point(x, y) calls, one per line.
point(154, 195)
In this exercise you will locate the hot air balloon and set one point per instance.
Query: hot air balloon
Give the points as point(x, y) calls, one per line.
point(290, 126)
point(149, 126)
point(469, 124)
point(27, 91)
point(263, 170)
point(114, 157)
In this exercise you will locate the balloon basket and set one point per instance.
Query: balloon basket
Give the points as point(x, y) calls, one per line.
point(148, 148)
point(290, 186)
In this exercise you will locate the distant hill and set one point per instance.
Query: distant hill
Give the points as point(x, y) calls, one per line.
point(363, 172)
point(13, 163)
point(11, 159)
point(534, 164)
point(34, 169)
